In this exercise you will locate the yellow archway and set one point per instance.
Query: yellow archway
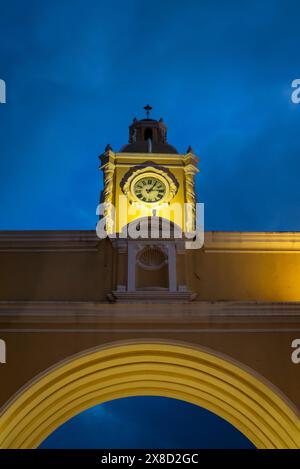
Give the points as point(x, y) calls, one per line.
point(155, 368)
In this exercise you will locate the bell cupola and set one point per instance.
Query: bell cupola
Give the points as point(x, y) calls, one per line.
point(148, 136)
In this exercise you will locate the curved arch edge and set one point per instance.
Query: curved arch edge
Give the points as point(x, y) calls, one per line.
point(165, 369)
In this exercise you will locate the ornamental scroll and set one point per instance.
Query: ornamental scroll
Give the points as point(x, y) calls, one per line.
point(190, 212)
point(109, 170)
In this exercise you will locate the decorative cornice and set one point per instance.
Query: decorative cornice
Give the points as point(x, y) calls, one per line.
point(242, 241)
point(193, 317)
point(215, 241)
point(191, 158)
point(154, 156)
point(106, 157)
point(40, 241)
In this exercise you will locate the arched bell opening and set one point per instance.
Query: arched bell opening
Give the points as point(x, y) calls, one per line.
point(152, 269)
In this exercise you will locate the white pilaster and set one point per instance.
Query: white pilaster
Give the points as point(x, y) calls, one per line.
point(131, 267)
point(172, 267)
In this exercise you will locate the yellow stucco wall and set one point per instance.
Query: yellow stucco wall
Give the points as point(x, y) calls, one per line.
point(247, 276)
point(56, 284)
point(44, 274)
point(50, 268)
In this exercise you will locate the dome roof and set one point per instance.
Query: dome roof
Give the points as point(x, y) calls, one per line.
point(148, 136)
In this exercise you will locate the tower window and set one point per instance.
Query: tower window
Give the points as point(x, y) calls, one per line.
point(148, 133)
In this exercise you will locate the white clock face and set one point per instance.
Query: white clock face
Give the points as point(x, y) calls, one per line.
point(149, 189)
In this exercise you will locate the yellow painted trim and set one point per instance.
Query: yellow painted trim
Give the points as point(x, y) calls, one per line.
point(152, 368)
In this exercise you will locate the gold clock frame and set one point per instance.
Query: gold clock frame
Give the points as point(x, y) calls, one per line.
point(132, 177)
point(150, 175)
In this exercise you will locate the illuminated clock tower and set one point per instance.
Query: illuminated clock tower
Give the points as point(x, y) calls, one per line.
point(149, 207)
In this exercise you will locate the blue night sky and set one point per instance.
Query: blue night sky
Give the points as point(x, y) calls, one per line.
point(147, 422)
point(218, 72)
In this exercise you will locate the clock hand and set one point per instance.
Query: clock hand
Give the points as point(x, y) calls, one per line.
point(151, 188)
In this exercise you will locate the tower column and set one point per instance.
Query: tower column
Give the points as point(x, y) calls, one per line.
point(131, 281)
point(172, 267)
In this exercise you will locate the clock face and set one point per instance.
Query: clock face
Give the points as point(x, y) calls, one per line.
point(149, 189)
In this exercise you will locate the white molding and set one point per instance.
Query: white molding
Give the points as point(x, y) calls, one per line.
point(243, 241)
point(41, 241)
point(187, 313)
point(215, 241)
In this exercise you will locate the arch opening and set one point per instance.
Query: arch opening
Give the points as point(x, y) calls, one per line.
point(146, 422)
point(148, 133)
point(183, 372)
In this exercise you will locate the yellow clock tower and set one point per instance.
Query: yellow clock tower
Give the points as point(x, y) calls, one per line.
point(148, 209)
point(233, 351)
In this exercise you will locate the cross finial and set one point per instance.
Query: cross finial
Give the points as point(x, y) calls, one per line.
point(147, 109)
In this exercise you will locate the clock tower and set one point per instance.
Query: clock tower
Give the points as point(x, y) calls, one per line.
point(148, 209)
